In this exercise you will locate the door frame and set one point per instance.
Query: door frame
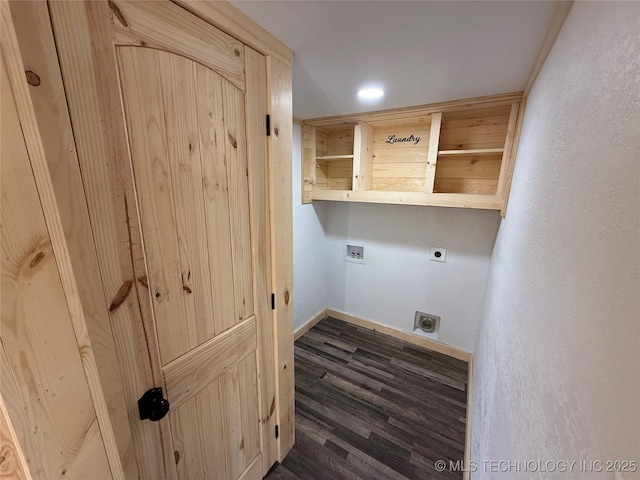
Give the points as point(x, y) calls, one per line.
point(40, 53)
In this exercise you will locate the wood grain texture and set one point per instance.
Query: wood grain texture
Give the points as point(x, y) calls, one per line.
point(102, 438)
point(235, 139)
point(508, 146)
point(432, 156)
point(363, 156)
point(487, 202)
point(13, 464)
point(363, 413)
point(187, 375)
point(164, 25)
point(280, 159)
point(145, 116)
point(216, 432)
point(514, 156)
point(256, 101)
point(474, 129)
point(239, 395)
point(84, 40)
point(308, 161)
point(228, 18)
point(38, 52)
point(216, 195)
point(413, 154)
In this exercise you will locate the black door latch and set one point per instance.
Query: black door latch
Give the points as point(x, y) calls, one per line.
point(152, 405)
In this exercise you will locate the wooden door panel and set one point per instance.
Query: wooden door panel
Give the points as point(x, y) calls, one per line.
point(193, 371)
point(216, 432)
point(181, 223)
point(180, 99)
point(239, 394)
point(238, 173)
point(142, 99)
point(206, 267)
point(216, 196)
point(166, 26)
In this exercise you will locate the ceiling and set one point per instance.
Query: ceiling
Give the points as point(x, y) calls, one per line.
point(418, 51)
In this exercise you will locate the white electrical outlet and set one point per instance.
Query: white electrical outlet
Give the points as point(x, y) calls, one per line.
point(354, 252)
point(438, 254)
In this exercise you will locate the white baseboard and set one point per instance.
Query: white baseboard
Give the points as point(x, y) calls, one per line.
point(309, 324)
point(407, 337)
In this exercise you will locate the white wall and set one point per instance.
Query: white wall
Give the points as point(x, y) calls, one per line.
point(557, 364)
point(309, 248)
point(399, 278)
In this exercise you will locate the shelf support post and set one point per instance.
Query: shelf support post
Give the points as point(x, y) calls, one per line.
point(362, 157)
point(432, 154)
point(308, 161)
point(507, 154)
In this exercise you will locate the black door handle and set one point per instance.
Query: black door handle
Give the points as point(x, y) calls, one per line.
point(152, 405)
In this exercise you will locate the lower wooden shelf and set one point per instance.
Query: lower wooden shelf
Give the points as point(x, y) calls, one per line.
point(456, 200)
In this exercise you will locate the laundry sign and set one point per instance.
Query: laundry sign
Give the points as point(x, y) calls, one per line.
point(410, 139)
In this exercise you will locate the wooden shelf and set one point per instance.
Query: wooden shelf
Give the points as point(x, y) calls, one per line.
point(454, 200)
point(448, 155)
point(335, 157)
point(477, 151)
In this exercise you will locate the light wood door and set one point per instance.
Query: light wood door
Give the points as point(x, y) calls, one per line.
point(169, 119)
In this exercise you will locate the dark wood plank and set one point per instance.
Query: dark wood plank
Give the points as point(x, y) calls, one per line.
point(369, 406)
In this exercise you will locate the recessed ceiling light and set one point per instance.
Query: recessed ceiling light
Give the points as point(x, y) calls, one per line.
point(370, 93)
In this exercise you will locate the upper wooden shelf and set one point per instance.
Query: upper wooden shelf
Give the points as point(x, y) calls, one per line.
point(478, 151)
point(452, 154)
point(334, 157)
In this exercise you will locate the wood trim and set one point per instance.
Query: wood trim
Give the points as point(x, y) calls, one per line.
point(253, 471)
point(14, 464)
point(362, 157)
point(514, 155)
point(229, 19)
point(432, 155)
point(152, 25)
point(508, 146)
point(257, 107)
point(33, 142)
point(296, 120)
point(467, 435)
point(407, 337)
point(492, 100)
point(463, 200)
point(309, 324)
point(280, 158)
point(203, 364)
point(562, 11)
point(308, 167)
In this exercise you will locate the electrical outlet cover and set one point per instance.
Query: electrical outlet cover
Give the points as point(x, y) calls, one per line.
point(438, 254)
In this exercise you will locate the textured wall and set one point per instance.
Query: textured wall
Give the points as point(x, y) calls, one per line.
point(557, 364)
point(399, 278)
point(310, 272)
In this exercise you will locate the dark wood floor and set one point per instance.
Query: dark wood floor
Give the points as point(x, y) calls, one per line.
point(372, 407)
